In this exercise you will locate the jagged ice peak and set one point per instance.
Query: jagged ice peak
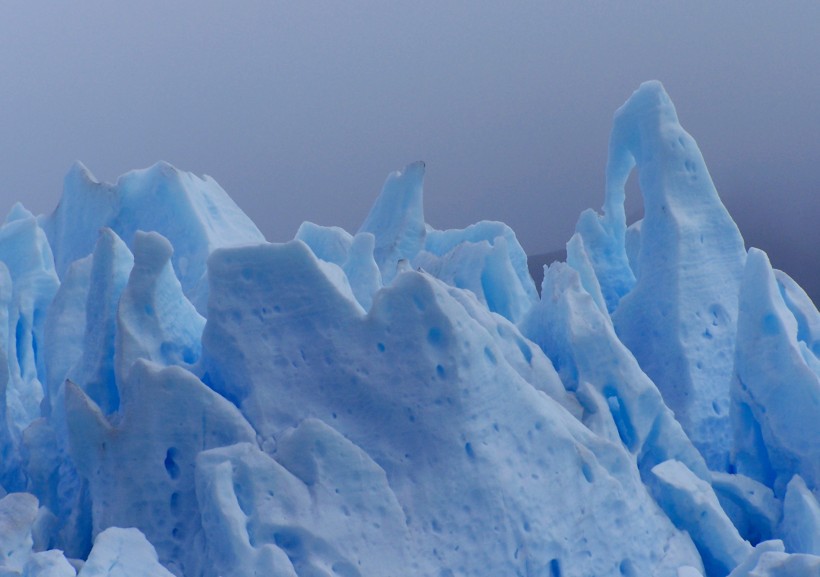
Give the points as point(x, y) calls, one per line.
point(180, 397)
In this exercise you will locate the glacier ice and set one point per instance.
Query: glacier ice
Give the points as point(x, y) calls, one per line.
point(158, 407)
point(17, 514)
point(679, 318)
point(801, 518)
point(154, 319)
point(94, 370)
point(180, 397)
point(396, 220)
point(776, 380)
point(752, 506)
point(449, 443)
point(620, 402)
point(260, 512)
point(122, 553)
point(193, 213)
point(692, 505)
point(769, 560)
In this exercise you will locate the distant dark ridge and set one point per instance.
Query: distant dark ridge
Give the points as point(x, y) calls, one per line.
point(536, 264)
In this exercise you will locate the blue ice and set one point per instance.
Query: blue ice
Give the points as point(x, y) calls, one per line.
point(180, 397)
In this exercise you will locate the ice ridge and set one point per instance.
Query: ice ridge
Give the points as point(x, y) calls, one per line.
point(180, 397)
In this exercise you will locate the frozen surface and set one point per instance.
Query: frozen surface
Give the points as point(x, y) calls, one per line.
point(361, 529)
point(801, 518)
point(154, 319)
point(95, 369)
point(619, 401)
point(167, 417)
point(325, 359)
point(679, 319)
point(29, 283)
point(179, 397)
point(122, 553)
point(49, 564)
point(194, 213)
point(776, 392)
point(769, 560)
point(397, 220)
point(485, 259)
point(17, 514)
point(752, 506)
point(692, 505)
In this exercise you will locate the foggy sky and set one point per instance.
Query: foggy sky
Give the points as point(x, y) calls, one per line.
point(299, 110)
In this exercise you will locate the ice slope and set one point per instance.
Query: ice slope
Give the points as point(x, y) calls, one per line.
point(619, 401)
point(193, 213)
point(463, 439)
point(776, 391)
point(178, 397)
point(168, 417)
point(801, 518)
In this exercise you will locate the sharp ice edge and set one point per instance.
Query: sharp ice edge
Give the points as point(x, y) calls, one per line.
point(180, 397)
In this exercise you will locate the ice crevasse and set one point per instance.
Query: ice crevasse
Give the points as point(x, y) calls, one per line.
point(180, 397)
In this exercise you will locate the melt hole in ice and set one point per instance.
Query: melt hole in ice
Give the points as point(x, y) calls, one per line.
point(171, 465)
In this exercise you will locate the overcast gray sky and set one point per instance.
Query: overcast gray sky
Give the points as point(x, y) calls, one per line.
point(300, 109)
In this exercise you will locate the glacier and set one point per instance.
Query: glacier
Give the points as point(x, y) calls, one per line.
point(180, 397)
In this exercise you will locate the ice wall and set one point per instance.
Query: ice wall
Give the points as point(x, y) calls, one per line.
point(179, 397)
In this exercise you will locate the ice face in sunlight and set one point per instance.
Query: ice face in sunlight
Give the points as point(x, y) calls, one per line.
point(179, 397)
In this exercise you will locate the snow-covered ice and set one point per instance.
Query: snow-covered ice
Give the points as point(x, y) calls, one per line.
point(180, 397)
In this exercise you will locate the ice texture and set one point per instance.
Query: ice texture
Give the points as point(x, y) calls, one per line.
point(619, 401)
point(692, 505)
point(752, 506)
point(167, 417)
point(485, 259)
point(270, 508)
point(17, 514)
point(95, 370)
point(194, 213)
point(801, 518)
point(449, 442)
point(679, 319)
point(122, 553)
point(29, 283)
point(769, 560)
point(180, 397)
point(776, 391)
point(397, 220)
point(154, 319)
